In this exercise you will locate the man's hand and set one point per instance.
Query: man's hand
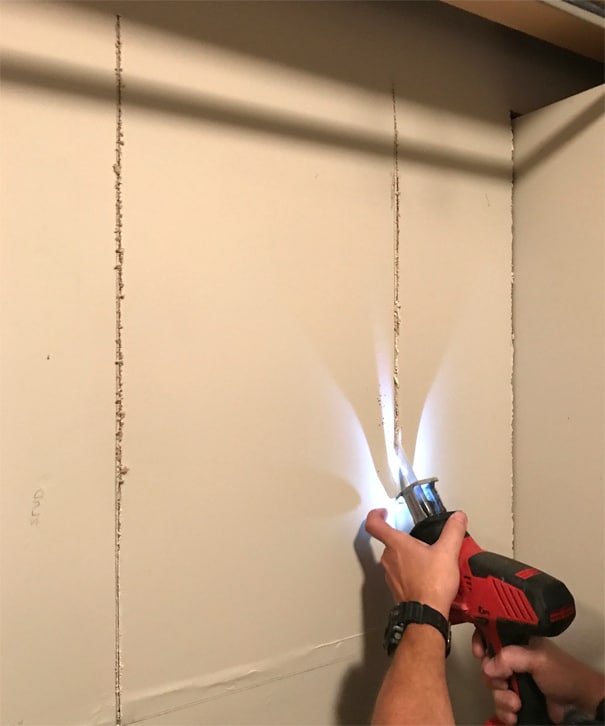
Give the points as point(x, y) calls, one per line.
point(416, 571)
point(564, 681)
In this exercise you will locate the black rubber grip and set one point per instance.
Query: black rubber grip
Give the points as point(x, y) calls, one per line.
point(534, 711)
point(533, 703)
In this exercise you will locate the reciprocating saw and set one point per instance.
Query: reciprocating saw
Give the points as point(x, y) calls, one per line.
point(507, 601)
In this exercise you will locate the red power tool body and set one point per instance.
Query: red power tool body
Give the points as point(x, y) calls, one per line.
point(506, 600)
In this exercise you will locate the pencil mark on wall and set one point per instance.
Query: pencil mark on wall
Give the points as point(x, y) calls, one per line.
point(120, 470)
point(37, 498)
point(396, 301)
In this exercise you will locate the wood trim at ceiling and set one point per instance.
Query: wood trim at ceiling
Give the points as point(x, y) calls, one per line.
point(547, 21)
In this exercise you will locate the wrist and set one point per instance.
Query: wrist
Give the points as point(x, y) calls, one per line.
point(421, 638)
point(413, 612)
point(593, 692)
point(427, 634)
point(434, 601)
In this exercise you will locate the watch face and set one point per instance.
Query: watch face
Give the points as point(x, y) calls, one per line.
point(448, 641)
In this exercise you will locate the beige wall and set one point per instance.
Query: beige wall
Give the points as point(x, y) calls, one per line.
point(258, 329)
point(559, 304)
point(56, 411)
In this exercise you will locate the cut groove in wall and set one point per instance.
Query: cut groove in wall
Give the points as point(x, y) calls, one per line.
point(120, 469)
point(512, 327)
point(396, 301)
point(173, 697)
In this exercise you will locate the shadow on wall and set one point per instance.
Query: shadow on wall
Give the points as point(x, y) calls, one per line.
point(49, 75)
point(361, 684)
point(561, 137)
point(310, 37)
point(316, 38)
point(586, 636)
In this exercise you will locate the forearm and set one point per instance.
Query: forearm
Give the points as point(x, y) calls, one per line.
point(414, 690)
point(591, 689)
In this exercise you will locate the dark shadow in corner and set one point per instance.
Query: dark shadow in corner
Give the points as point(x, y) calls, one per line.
point(361, 684)
point(561, 137)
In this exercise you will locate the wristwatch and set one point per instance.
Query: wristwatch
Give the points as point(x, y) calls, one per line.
point(414, 612)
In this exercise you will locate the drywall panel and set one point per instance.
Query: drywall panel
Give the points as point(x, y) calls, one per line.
point(258, 339)
point(57, 420)
point(258, 328)
point(559, 345)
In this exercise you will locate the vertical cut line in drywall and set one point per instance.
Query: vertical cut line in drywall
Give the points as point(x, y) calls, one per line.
point(119, 470)
point(512, 328)
point(396, 285)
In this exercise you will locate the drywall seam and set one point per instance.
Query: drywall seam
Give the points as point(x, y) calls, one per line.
point(120, 469)
point(512, 331)
point(168, 698)
point(396, 300)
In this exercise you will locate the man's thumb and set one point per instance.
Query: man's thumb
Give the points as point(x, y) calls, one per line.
point(453, 532)
point(377, 526)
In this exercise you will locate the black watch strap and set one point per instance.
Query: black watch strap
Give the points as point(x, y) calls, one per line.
point(414, 612)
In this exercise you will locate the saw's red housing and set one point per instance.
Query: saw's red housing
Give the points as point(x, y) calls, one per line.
point(508, 602)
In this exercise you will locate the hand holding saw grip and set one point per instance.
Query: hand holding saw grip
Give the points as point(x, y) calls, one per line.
point(508, 602)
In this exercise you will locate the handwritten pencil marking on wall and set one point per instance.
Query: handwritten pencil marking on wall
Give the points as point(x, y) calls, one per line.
point(37, 498)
